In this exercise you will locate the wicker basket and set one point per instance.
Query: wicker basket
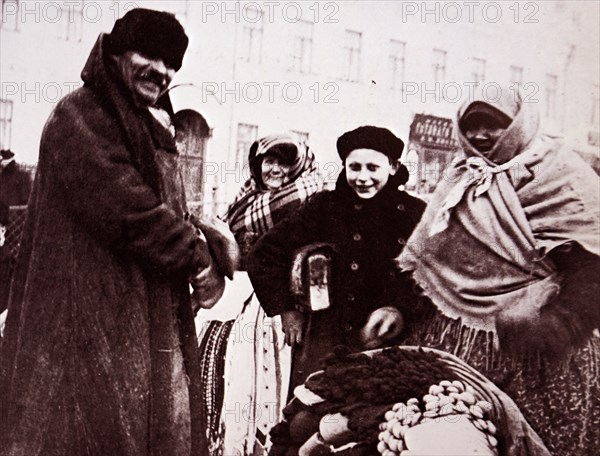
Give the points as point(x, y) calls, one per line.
point(516, 435)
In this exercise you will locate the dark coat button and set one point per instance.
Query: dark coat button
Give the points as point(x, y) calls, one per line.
point(358, 207)
point(350, 297)
point(357, 237)
point(400, 207)
point(354, 266)
point(347, 327)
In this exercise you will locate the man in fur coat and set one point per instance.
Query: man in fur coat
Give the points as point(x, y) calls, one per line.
point(99, 350)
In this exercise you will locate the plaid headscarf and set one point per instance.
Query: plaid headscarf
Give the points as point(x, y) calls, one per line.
point(256, 210)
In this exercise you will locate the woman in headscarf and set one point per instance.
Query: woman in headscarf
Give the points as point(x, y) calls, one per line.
point(508, 252)
point(283, 175)
point(245, 362)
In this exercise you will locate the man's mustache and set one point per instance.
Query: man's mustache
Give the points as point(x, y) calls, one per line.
point(155, 77)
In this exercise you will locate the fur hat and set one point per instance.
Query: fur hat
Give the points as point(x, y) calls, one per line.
point(369, 137)
point(155, 34)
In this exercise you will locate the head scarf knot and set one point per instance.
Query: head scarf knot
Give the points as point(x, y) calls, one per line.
point(481, 248)
point(479, 174)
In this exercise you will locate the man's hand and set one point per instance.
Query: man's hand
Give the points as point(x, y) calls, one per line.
point(208, 285)
point(383, 325)
point(293, 322)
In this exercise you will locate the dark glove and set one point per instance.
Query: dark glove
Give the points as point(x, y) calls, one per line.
point(208, 285)
point(221, 242)
point(566, 322)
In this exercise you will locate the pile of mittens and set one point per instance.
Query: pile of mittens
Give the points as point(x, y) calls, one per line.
point(392, 402)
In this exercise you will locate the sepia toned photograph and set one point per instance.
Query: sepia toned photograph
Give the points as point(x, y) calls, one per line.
point(299, 228)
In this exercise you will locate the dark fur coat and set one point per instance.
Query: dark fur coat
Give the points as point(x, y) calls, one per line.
point(99, 350)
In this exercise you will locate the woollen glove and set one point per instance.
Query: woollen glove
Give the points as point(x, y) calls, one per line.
point(222, 245)
point(208, 286)
point(566, 323)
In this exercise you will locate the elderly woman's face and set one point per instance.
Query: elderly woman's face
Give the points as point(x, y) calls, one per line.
point(146, 78)
point(483, 133)
point(274, 172)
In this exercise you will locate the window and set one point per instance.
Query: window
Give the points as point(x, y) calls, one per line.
point(300, 136)
point(6, 113)
point(246, 135)
point(352, 50)
point(397, 54)
point(71, 21)
point(439, 66)
point(478, 73)
point(516, 76)
point(192, 134)
point(302, 46)
point(551, 87)
point(10, 15)
point(252, 36)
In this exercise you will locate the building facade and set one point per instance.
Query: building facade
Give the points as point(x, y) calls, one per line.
point(317, 69)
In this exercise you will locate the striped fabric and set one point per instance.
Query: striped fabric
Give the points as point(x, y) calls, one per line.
point(213, 346)
point(257, 373)
point(256, 210)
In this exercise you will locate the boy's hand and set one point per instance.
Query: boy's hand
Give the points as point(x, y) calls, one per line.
point(383, 325)
point(293, 323)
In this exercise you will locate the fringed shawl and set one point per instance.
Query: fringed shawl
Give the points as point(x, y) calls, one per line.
point(257, 210)
point(481, 247)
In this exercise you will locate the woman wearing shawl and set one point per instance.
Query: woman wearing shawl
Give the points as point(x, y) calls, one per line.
point(508, 253)
point(250, 353)
point(283, 175)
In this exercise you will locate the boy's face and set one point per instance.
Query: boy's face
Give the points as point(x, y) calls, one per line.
point(367, 171)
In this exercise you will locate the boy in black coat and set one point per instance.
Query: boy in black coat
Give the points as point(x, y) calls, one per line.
point(367, 220)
